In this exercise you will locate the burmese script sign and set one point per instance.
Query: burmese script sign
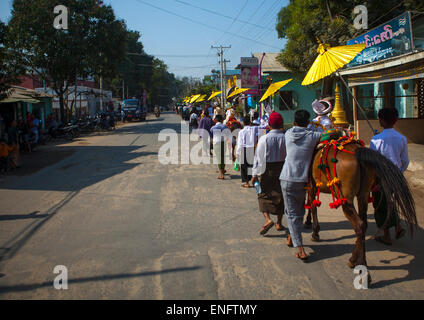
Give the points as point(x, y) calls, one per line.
point(391, 39)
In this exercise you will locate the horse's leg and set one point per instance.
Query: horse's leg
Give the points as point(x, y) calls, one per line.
point(316, 227)
point(358, 225)
point(308, 221)
point(363, 208)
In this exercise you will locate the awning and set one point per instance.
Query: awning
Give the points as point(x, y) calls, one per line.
point(398, 73)
point(20, 94)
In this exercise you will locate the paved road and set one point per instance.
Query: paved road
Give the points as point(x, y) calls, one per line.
point(127, 227)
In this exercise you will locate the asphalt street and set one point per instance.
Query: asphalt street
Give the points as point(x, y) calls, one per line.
point(127, 227)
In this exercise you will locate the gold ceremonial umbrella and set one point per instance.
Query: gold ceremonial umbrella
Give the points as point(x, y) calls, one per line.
point(274, 88)
point(194, 98)
point(330, 60)
point(237, 91)
point(214, 94)
point(201, 98)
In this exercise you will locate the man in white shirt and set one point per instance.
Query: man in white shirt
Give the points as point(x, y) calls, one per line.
point(393, 146)
point(194, 119)
point(221, 134)
point(269, 159)
point(245, 151)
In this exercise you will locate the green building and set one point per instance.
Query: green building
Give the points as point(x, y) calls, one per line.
point(291, 97)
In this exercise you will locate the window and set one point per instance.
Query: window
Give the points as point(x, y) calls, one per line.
point(403, 95)
point(286, 100)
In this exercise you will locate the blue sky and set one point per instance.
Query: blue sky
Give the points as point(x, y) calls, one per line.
point(172, 28)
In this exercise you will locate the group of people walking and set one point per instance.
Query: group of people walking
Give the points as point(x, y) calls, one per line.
point(279, 161)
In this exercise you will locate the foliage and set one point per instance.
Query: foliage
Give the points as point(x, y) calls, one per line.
point(95, 42)
point(9, 68)
point(332, 21)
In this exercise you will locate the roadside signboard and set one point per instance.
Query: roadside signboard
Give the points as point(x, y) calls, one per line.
point(391, 39)
point(249, 74)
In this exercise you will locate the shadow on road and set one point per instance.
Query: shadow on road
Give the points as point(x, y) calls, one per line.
point(33, 215)
point(404, 249)
point(34, 286)
point(88, 165)
point(150, 127)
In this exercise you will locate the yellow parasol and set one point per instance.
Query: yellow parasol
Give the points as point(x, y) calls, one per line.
point(194, 98)
point(201, 98)
point(330, 60)
point(237, 91)
point(214, 94)
point(274, 88)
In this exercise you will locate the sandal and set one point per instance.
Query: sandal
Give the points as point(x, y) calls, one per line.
point(382, 240)
point(304, 258)
point(279, 227)
point(266, 228)
point(221, 178)
point(289, 242)
point(400, 234)
point(245, 185)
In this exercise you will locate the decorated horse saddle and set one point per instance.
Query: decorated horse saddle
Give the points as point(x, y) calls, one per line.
point(332, 141)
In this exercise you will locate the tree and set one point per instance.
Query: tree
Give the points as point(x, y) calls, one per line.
point(94, 44)
point(10, 70)
point(332, 21)
point(135, 71)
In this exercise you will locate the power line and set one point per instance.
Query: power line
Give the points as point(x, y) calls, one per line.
point(221, 15)
point(234, 20)
point(181, 56)
point(204, 24)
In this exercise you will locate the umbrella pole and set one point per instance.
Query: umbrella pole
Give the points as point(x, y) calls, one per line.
point(357, 103)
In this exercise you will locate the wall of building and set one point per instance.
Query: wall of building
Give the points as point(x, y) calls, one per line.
point(304, 96)
point(412, 129)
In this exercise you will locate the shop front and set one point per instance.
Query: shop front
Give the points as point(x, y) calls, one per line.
point(390, 75)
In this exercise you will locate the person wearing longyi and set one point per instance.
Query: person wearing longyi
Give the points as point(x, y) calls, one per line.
point(393, 146)
point(219, 138)
point(300, 145)
point(269, 159)
point(245, 151)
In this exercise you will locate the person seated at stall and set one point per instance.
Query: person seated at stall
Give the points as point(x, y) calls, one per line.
point(5, 159)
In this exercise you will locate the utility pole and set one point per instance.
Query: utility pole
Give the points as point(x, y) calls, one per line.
point(221, 57)
point(101, 93)
point(225, 80)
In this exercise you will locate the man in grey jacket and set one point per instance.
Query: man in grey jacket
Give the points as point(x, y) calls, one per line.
point(300, 145)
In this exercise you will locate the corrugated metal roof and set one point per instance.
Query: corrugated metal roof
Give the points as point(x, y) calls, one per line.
point(270, 63)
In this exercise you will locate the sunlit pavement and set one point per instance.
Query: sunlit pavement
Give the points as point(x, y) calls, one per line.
point(127, 227)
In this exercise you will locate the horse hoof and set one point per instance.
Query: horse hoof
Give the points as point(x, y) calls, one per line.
point(350, 264)
point(315, 238)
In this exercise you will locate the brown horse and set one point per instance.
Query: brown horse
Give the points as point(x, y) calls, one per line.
point(356, 168)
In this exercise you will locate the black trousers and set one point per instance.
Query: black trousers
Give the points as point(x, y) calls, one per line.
point(247, 156)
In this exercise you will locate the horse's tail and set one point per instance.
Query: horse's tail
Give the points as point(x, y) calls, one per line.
point(392, 183)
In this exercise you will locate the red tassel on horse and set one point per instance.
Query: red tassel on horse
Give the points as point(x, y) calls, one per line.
point(316, 203)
